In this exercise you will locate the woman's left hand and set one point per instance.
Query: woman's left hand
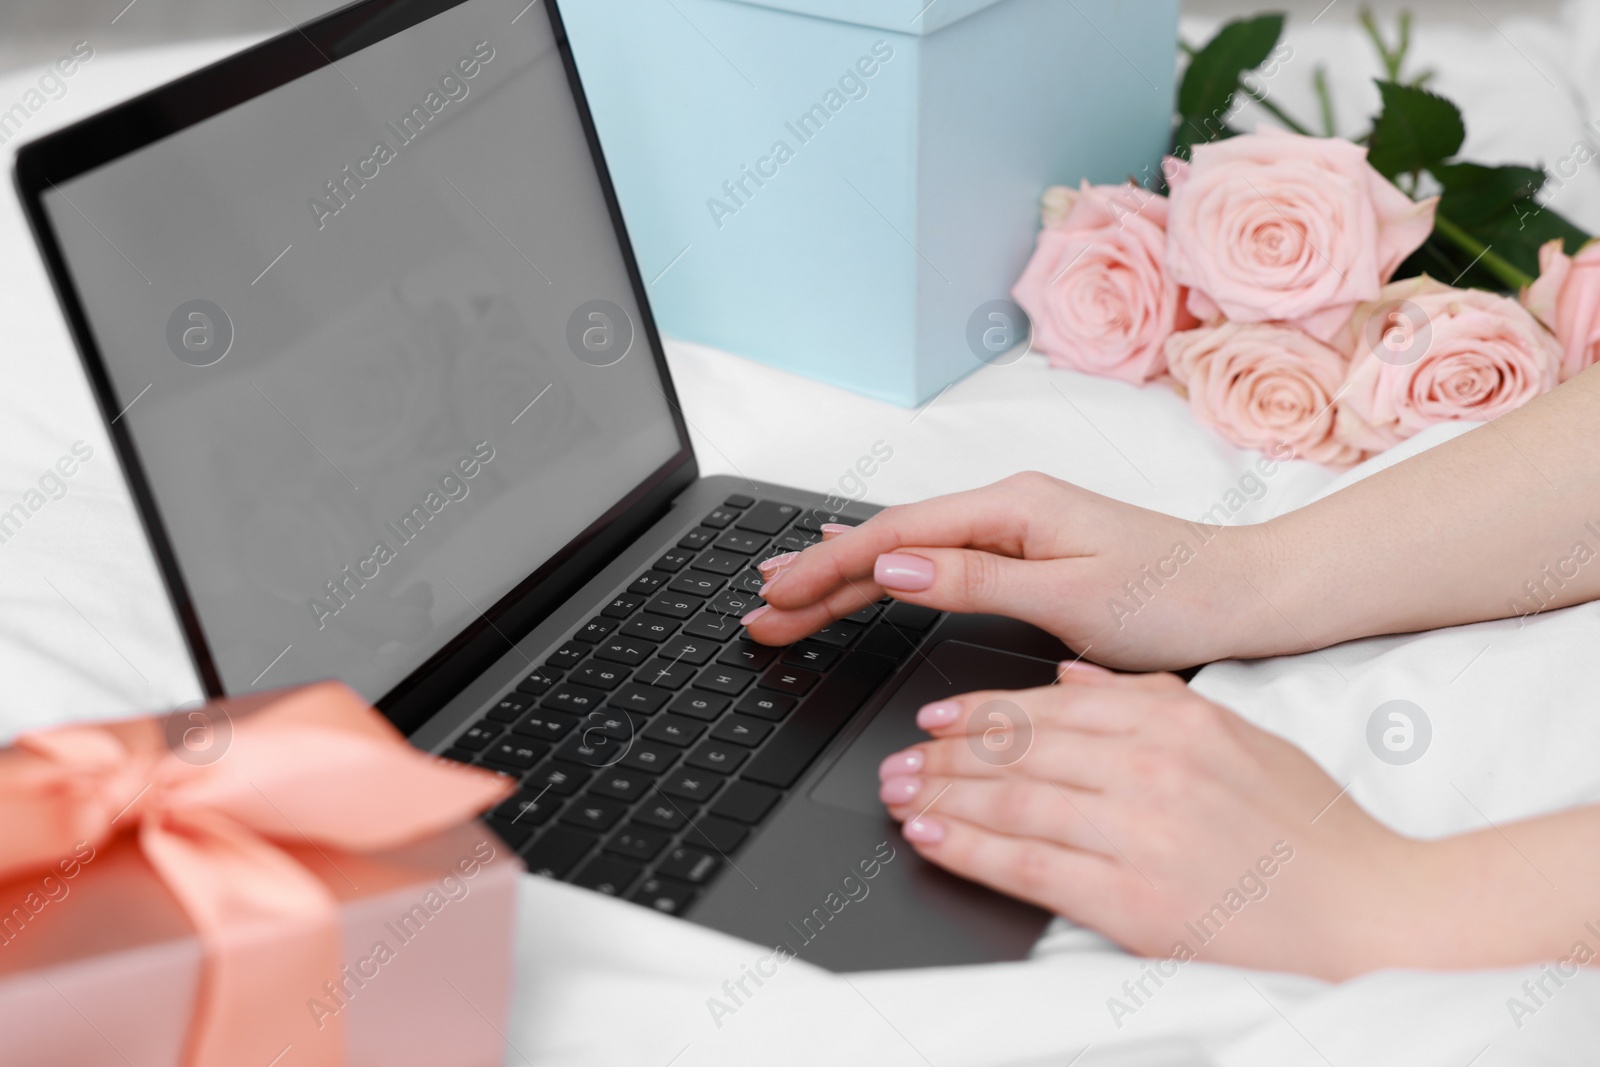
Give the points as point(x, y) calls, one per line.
point(1134, 806)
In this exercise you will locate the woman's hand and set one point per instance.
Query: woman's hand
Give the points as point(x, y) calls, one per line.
point(1122, 585)
point(1133, 806)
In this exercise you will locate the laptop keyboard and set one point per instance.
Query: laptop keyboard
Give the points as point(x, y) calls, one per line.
point(651, 745)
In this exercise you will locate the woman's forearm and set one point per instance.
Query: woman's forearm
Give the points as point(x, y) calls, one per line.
point(1502, 521)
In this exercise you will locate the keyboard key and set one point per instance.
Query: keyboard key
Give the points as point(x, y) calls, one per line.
point(620, 784)
point(557, 851)
point(745, 802)
point(529, 809)
point(747, 581)
point(637, 843)
point(517, 753)
point(837, 634)
point(746, 544)
point(666, 674)
point(815, 518)
point(891, 641)
point(539, 682)
point(600, 675)
point(545, 725)
point(622, 606)
point(766, 705)
point(591, 748)
point(698, 704)
point(795, 540)
point(734, 602)
point(697, 538)
point(662, 813)
point(739, 501)
point(862, 616)
point(606, 722)
point(664, 895)
point(695, 650)
point(802, 738)
point(608, 875)
point(708, 624)
point(742, 730)
point(687, 783)
point(806, 654)
point(510, 709)
point(717, 834)
point(717, 756)
point(650, 627)
point(595, 629)
point(729, 680)
point(644, 699)
point(674, 605)
point(911, 616)
point(747, 654)
point(647, 583)
point(695, 583)
point(690, 865)
point(593, 813)
point(675, 730)
point(512, 834)
point(718, 562)
point(629, 651)
point(768, 517)
point(458, 755)
point(560, 779)
point(568, 656)
point(785, 679)
point(571, 697)
point(479, 736)
point(673, 561)
point(649, 757)
point(719, 519)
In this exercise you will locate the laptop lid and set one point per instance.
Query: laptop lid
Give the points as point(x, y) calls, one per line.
point(362, 316)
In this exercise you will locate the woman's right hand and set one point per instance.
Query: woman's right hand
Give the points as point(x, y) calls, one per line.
point(1121, 585)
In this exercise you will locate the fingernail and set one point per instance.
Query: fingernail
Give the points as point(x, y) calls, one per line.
point(902, 572)
point(899, 790)
point(901, 764)
point(924, 831)
point(830, 530)
point(932, 716)
point(767, 566)
point(754, 615)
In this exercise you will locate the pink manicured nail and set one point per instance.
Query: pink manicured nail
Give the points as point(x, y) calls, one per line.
point(767, 566)
point(924, 831)
point(899, 790)
point(754, 615)
point(830, 530)
point(932, 716)
point(901, 764)
point(902, 572)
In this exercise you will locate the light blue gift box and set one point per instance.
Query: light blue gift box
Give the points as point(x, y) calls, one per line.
point(843, 188)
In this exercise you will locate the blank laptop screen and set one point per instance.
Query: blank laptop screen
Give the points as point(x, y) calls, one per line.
point(376, 345)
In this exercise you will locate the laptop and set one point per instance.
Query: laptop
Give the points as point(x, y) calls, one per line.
point(360, 311)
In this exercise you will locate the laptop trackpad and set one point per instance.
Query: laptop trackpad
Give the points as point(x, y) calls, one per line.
point(951, 668)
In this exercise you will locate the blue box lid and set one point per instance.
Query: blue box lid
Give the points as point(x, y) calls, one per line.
point(915, 17)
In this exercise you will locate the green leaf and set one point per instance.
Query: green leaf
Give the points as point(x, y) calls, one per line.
point(1211, 82)
point(1417, 130)
point(1517, 233)
point(1475, 194)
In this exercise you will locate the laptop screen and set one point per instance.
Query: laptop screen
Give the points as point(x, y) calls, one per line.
point(374, 341)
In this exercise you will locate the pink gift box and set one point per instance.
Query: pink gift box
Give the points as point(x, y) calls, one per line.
point(99, 966)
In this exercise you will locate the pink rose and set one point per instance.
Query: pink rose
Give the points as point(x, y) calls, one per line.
point(1274, 226)
point(1425, 353)
point(1097, 287)
point(1566, 298)
point(1263, 386)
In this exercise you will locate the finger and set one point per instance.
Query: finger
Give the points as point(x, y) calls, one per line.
point(771, 625)
point(1111, 706)
point(988, 518)
point(975, 581)
point(1066, 881)
point(1080, 760)
point(1020, 807)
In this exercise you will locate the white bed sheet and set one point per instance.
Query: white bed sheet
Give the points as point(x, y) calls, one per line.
point(85, 633)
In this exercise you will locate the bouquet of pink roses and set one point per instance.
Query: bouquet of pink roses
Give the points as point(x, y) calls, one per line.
point(1289, 286)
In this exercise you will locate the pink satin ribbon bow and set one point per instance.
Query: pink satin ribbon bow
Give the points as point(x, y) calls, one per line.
point(315, 765)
